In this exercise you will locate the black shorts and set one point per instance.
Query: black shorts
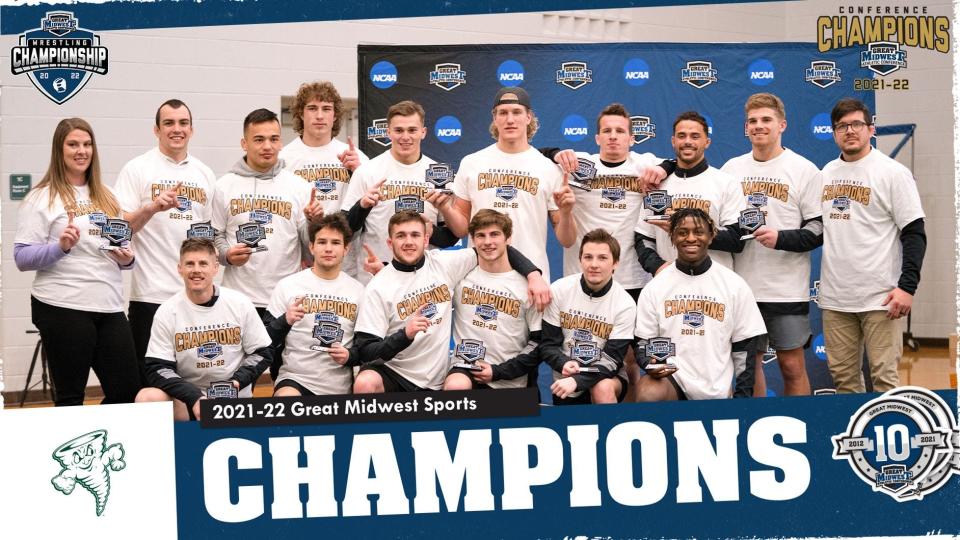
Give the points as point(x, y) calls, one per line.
point(290, 383)
point(584, 397)
point(469, 374)
point(392, 381)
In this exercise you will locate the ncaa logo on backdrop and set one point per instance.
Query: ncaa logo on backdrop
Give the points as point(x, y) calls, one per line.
point(699, 74)
point(636, 72)
point(761, 72)
point(883, 57)
point(642, 129)
point(574, 75)
point(448, 76)
point(709, 120)
point(510, 73)
point(902, 443)
point(377, 132)
point(821, 128)
point(59, 57)
point(574, 128)
point(448, 129)
point(383, 75)
point(822, 73)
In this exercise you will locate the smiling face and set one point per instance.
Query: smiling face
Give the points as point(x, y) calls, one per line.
point(408, 240)
point(691, 237)
point(689, 141)
point(764, 126)
point(261, 142)
point(328, 249)
point(406, 133)
point(198, 268)
point(490, 242)
point(77, 153)
point(174, 131)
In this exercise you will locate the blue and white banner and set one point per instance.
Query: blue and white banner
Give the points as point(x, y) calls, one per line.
point(731, 468)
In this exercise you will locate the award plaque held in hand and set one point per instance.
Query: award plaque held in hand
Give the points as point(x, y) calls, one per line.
point(251, 234)
point(658, 201)
point(439, 175)
point(751, 219)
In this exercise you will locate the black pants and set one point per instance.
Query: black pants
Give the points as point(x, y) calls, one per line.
point(76, 341)
point(278, 357)
point(141, 321)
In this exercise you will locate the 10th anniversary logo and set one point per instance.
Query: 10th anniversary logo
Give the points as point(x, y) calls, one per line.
point(59, 57)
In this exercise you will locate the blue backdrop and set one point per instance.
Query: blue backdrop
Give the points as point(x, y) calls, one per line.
point(569, 84)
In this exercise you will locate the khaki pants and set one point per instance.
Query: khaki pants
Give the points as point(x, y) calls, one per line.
point(844, 335)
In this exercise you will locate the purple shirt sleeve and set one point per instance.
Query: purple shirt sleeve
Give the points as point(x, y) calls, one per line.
point(36, 256)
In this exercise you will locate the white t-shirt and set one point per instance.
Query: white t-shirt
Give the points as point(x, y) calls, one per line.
point(282, 200)
point(157, 244)
point(614, 204)
point(86, 279)
point(320, 167)
point(494, 309)
point(865, 205)
point(207, 343)
point(713, 191)
point(520, 185)
point(787, 190)
point(392, 296)
point(331, 311)
point(404, 189)
point(588, 319)
point(704, 315)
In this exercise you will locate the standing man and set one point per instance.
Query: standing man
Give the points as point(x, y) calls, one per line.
point(403, 330)
point(693, 184)
point(162, 193)
point(392, 182)
point(588, 327)
point(512, 177)
point(494, 322)
point(776, 264)
point(873, 248)
point(312, 314)
point(257, 191)
point(708, 314)
point(201, 335)
point(615, 200)
point(316, 156)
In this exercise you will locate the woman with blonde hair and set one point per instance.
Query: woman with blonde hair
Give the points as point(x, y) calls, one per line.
point(77, 293)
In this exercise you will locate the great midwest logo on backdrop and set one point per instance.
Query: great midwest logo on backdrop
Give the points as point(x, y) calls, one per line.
point(59, 57)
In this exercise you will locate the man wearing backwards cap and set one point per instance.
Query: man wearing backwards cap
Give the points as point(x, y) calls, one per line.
point(512, 177)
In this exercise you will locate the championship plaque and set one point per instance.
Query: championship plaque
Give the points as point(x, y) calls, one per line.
point(251, 234)
point(658, 351)
point(468, 352)
point(117, 233)
point(585, 353)
point(584, 175)
point(750, 220)
point(439, 175)
point(202, 229)
point(326, 330)
point(222, 389)
point(658, 201)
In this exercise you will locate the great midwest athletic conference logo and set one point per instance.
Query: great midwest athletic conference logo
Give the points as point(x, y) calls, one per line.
point(59, 57)
point(903, 444)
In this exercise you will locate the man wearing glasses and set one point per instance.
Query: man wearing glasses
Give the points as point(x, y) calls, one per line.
point(873, 249)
